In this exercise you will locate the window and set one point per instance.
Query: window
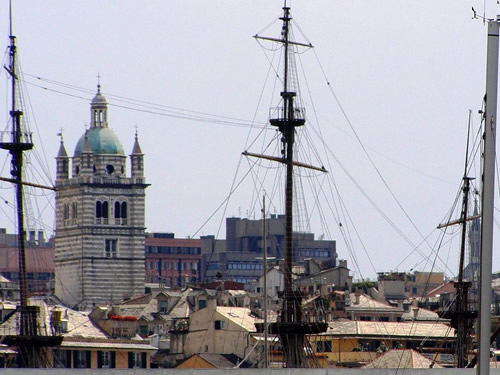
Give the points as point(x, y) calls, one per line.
point(66, 211)
point(81, 359)
point(62, 358)
point(120, 212)
point(202, 303)
point(74, 210)
point(106, 359)
point(101, 212)
point(110, 248)
point(324, 346)
point(137, 360)
point(163, 307)
point(219, 324)
point(110, 169)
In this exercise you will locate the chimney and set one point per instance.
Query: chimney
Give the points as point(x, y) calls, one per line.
point(415, 313)
point(41, 239)
point(357, 294)
point(32, 236)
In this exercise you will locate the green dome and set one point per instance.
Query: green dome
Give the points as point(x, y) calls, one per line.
point(101, 141)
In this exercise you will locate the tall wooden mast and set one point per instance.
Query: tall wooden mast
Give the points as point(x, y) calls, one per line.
point(28, 341)
point(19, 141)
point(291, 329)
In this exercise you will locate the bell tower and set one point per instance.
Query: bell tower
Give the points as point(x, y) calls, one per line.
point(100, 217)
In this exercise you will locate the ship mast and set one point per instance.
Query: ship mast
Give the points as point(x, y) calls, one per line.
point(462, 317)
point(291, 329)
point(19, 142)
point(28, 342)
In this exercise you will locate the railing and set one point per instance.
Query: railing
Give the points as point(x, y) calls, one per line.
point(278, 114)
point(7, 136)
point(119, 221)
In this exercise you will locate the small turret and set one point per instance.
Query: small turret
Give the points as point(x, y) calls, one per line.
point(99, 110)
point(137, 159)
point(85, 166)
point(62, 161)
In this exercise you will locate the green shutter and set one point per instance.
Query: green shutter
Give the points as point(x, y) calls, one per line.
point(113, 359)
point(143, 360)
point(88, 364)
point(130, 360)
point(99, 359)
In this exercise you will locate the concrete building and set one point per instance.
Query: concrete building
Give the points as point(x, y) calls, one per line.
point(219, 329)
point(39, 264)
point(418, 283)
point(100, 226)
point(239, 257)
point(171, 261)
point(349, 343)
point(316, 280)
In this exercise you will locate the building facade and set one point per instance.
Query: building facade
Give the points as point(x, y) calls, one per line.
point(39, 256)
point(100, 226)
point(239, 257)
point(172, 261)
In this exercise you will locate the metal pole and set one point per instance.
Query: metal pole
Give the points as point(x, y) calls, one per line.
point(488, 197)
point(264, 244)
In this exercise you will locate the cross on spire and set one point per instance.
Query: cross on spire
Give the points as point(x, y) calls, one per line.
point(98, 82)
point(60, 134)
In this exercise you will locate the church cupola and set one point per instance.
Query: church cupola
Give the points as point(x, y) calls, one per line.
point(62, 160)
point(99, 110)
point(137, 159)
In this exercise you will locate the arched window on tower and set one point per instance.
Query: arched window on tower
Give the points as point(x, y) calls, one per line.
point(120, 213)
point(117, 210)
point(98, 210)
point(101, 212)
point(65, 213)
point(105, 212)
point(74, 213)
point(124, 210)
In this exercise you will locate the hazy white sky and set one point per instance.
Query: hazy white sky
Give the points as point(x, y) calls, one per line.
point(405, 72)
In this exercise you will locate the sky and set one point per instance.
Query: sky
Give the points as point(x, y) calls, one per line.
point(388, 85)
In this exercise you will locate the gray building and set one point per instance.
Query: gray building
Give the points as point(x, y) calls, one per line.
point(239, 256)
point(100, 227)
